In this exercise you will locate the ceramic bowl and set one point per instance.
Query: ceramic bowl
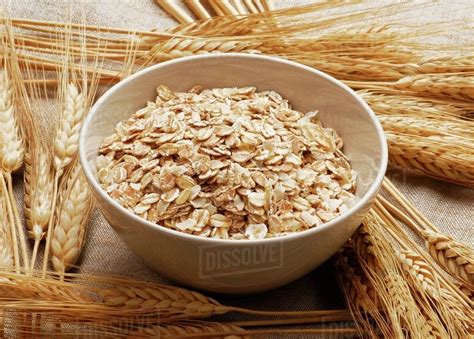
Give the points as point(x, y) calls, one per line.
point(231, 266)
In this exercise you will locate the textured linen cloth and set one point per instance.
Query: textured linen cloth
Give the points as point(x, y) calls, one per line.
point(447, 205)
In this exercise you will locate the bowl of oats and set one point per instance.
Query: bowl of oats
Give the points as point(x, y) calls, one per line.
point(233, 173)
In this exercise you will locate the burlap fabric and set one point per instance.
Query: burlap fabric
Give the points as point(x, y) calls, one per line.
point(448, 206)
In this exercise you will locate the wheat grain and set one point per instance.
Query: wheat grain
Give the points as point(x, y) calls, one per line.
point(436, 157)
point(72, 216)
point(456, 258)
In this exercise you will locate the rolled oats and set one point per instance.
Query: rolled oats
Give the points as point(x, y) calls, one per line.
point(227, 163)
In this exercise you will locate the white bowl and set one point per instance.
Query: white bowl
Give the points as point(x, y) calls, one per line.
point(232, 266)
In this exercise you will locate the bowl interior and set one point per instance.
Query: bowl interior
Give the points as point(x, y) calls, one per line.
point(305, 88)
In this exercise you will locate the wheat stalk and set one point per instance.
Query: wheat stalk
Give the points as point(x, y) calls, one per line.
point(432, 156)
point(423, 277)
point(177, 48)
point(67, 134)
point(161, 298)
point(38, 184)
point(452, 306)
point(443, 86)
point(405, 105)
point(11, 142)
point(72, 217)
point(197, 328)
point(455, 257)
point(11, 159)
point(427, 127)
point(401, 308)
point(6, 253)
point(446, 64)
point(15, 287)
point(361, 297)
point(66, 145)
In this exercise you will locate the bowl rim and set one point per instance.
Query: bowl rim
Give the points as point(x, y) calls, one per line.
point(368, 195)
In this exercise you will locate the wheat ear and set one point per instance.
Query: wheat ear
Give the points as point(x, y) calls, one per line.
point(11, 159)
point(6, 252)
point(11, 222)
point(360, 296)
point(180, 47)
point(163, 299)
point(405, 105)
point(438, 157)
point(446, 64)
point(38, 183)
point(65, 147)
point(194, 328)
point(11, 142)
point(401, 308)
point(455, 87)
point(72, 216)
point(427, 280)
point(453, 256)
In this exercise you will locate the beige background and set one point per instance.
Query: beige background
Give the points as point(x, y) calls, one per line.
point(447, 205)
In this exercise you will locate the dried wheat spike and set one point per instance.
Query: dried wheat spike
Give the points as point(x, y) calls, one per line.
point(455, 257)
point(72, 216)
point(428, 127)
point(187, 328)
point(403, 105)
point(21, 287)
point(419, 269)
point(360, 295)
point(162, 298)
point(446, 64)
point(11, 142)
point(38, 180)
point(393, 292)
point(442, 86)
point(438, 157)
point(423, 277)
point(177, 48)
point(6, 252)
point(67, 133)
